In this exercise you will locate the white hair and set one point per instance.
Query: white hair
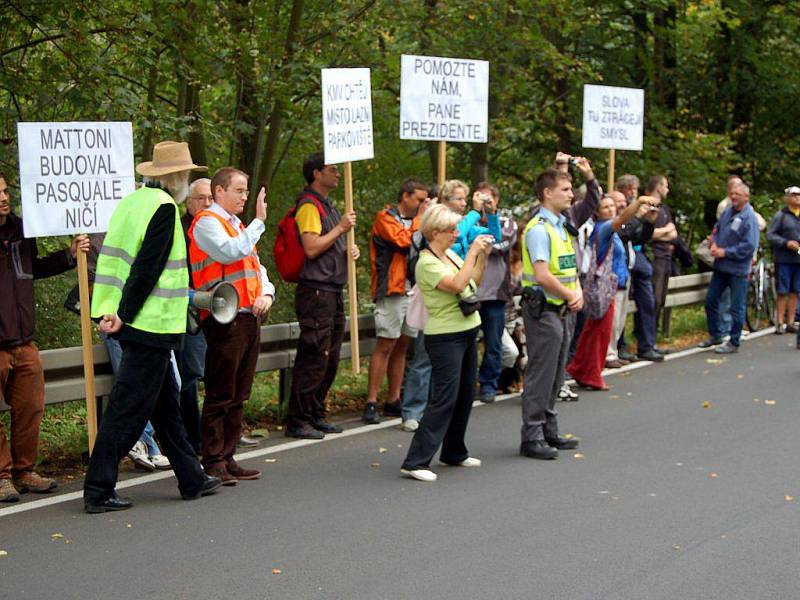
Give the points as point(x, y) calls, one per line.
point(197, 182)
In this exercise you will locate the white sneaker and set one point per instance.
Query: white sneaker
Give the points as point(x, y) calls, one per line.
point(420, 474)
point(160, 462)
point(410, 425)
point(467, 462)
point(138, 454)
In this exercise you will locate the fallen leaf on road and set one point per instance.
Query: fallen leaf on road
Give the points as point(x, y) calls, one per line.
point(568, 436)
point(3, 553)
point(756, 400)
point(715, 361)
point(613, 397)
point(713, 475)
point(678, 464)
point(279, 428)
point(615, 497)
point(676, 547)
point(788, 498)
point(651, 495)
point(629, 394)
point(67, 541)
point(740, 376)
point(770, 402)
point(270, 460)
point(375, 465)
point(57, 536)
point(706, 371)
point(129, 525)
point(603, 492)
point(276, 571)
point(578, 455)
point(382, 450)
point(707, 404)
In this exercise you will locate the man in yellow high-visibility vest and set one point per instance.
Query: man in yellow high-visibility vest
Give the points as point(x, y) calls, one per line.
point(551, 290)
point(141, 295)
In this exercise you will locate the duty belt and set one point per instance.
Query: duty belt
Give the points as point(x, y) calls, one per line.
point(561, 309)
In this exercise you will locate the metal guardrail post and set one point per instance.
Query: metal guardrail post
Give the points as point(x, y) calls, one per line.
point(284, 389)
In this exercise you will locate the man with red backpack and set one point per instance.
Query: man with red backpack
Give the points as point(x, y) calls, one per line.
point(318, 299)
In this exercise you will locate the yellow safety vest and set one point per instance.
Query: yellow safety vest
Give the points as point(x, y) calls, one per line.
point(562, 260)
point(164, 311)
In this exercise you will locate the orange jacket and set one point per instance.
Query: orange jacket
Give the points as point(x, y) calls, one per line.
point(388, 251)
point(244, 274)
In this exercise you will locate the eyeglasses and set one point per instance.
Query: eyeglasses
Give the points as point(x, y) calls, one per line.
point(203, 197)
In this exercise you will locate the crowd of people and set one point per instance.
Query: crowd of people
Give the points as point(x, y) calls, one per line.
point(546, 291)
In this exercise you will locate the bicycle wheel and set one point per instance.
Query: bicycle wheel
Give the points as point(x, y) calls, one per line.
point(751, 316)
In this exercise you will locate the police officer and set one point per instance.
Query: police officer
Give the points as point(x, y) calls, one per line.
point(550, 292)
point(141, 296)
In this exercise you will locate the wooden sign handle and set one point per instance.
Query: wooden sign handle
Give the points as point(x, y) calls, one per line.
point(86, 343)
point(612, 155)
point(352, 283)
point(441, 163)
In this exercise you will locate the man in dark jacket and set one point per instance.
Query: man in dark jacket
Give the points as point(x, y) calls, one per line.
point(21, 374)
point(784, 236)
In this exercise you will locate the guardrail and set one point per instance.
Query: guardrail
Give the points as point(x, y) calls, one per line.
point(63, 367)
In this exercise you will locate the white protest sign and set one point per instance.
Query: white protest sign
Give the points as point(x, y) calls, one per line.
point(72, 175)
point(613, 117)
point(347, 115)
point(445, 99)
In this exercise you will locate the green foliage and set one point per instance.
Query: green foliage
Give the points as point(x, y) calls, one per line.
point(239, 80)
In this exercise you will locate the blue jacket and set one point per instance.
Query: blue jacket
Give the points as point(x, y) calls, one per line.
point(468, 229)
point(738, 234)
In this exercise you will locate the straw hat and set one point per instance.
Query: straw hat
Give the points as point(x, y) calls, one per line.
point(168, 157)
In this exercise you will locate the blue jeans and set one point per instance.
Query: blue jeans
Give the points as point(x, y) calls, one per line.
point(191, 363)
point(724, 311)
point(115, 356)
point(417, 386)
point(738, 289)
point(644, 320)
point(493, 323)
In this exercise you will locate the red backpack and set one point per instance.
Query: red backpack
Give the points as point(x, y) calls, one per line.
point(288, 249)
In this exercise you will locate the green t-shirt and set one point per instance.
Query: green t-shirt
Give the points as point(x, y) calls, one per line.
point(444, 315)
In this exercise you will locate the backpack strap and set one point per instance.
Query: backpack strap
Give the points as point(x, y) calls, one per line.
point(305, 199)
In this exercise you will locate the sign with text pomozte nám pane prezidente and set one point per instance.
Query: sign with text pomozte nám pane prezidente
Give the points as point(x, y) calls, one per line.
point(613, 117)
point(444, 99)
point(347, 115)
point(72, 175)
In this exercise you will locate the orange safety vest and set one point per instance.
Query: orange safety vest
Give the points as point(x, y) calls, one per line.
point(244, 274)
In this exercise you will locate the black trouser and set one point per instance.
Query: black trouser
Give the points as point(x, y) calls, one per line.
point(145, 389)
point(662, 268)
point(454, 362)
point(321, 318)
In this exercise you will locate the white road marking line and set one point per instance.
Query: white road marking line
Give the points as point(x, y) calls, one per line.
point(151, 477)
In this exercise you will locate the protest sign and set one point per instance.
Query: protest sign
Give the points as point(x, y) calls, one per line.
point(346, 115)
point(72, 175)
point(444, 99)
point(613, 117)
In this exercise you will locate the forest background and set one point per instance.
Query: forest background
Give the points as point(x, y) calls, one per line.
point(239, 81)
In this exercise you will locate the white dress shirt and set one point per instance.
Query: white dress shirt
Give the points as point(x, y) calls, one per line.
point(211, 237)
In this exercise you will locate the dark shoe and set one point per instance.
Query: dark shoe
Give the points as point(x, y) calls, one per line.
point(370, 414)
point(726, 348)
point(486, 398)
point(326, 427)
point(222, 474)
point(651, 355)
point(241, 473)
point(111, 504)
point(662, 351)
point(712, 341)
point(791, 328)
point(392, 409)
point(210, 486)
point(594, 388)
point(562, 443)
point(625, 355)
point(31, 481)
point(614, 364)
point(538, 449)
point(304, 432)
point(246, 442)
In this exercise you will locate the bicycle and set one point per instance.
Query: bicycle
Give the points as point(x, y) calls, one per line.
point(760, 294)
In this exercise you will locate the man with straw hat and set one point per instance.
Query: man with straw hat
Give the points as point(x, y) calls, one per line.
point(141, 296)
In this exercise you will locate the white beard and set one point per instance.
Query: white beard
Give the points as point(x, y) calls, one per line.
point(177, 184)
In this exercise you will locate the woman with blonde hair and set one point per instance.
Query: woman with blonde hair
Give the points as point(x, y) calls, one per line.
point(447, 284)
point(481, 219)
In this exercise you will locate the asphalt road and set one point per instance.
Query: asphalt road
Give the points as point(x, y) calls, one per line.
point(670, 499)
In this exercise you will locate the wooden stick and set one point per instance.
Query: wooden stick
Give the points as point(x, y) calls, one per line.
point(442, 163)
point(612, 155)
point(86, 342)
point(352, 284)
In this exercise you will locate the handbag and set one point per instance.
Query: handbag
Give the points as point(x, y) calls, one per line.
point(600, 287)
point(416, 312)
point(469, 304)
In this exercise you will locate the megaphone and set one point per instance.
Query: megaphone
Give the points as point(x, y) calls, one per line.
point(222, 301)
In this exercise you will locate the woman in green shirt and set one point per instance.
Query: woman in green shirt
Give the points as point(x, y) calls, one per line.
point(450, 340)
